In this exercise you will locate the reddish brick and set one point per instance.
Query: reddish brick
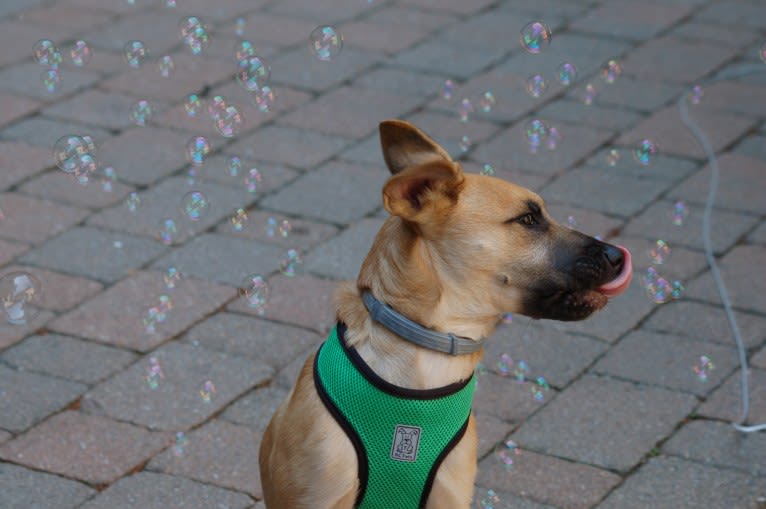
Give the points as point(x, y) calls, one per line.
point(19, 161)
point(31, 220)
point(301, 300)
point(192, 299)
point(86, 447)
point(219, 453)
point(568, 485)
point(60, 292)
point(14, 106)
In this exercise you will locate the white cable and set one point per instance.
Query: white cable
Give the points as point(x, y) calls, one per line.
point(714, 177)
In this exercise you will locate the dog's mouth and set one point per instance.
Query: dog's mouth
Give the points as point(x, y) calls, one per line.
point(618, 285)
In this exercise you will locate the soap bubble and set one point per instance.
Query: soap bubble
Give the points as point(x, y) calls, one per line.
point(255, 290)
point(244, 49)
point(154, 373)
point(536, 85)
point(449, 88)
point(171, 277)
point(46, 53)
point(197, 149)
point(535, 37)
point(207, 391)
point(325, 42)
point(80, 53)
point(167, 231)
point(68, 151)
point(589, 94)
point(290, 263)
point(644, 152)
point(659, 252)
point(465, 109)
point(194, 34)
point(487, 169)
point(487, 101)
point(680, 213)
point(166, 66)
point(535, 131)
point(141, 112)
point(696, 94)
point(703, 368)
point(134, 53)
point(239, 220)
point(613, 157)
point(229, 122)
point(194, 205)
point(507, 453)
point(264, 98)
point(490, 501)
point(611, 71)
point(239, 26)
point(20, 294)
point(252, 180)
point(193, 105)
point(566, 73)
point(253, 73)
point(51, 79)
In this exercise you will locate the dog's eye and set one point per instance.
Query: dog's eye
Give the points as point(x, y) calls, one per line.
point(528, 220)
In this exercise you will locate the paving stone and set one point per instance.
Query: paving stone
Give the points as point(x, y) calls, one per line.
point(110, 255)
point(342, 257)
point(483, 30)
point(587, 221)
point(719, 444)
point(437, 56)
point(277, 30)
point(598, 116)
point(759, 359)
point(450, 5)
point(564, 428)
point(350, 112)
point(702, 322)
point(221, 47)
point(43, 132)
point(165, 200)
point(298, 68)
point(330, 10)
point(11, 334)
point(732, 97)
point(753, 146)
point(400, 81)
point(675, 61)
point(758, 236)
point(617, 194)
point(415, 18)
point(292, 146)
point(380, 38)
point(674, 138)
point(559, 357)
point(156, 29)
point(663, 167)
point(531, 181)
point(176, 403)
point(192, 299)
point(270, 343)
point(668, 361)
point(32, 397)
point(216, 169)
point(737, 189)
point(33, 221)
point(366, 151)
point(10, 250)
point(480, 493)
point(301, 300)
point(645, 95)
point(222, 258)
point(303, 234)
point(68, 16)
point(490, 431)
point(19, 161)
point(655, 223)
point(568, 485)
point(745, 291)
point(107, 110)
point(162, 153)
point(13, 6)
point(218, 453)
point(60, 292)
point(734, 13)
point(23, 488)
point(712, 32)
point(190, 74)
point(67, 357)
point(255, 409)
point(665, 483)
point(626, 20)
point(449, 131)
point(14, 106)
point(5, 436)
point(25, 79)
point(19, 38)
point(288, 375)
point(505, 399)
point(336, 192)
point(90, 448)
point(58, 186)
point(158, 491)
point(726, 402)
point(224, 12)
point(564, 8)
point(510, 149)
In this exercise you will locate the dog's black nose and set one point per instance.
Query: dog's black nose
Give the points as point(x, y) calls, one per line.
point(613, 255)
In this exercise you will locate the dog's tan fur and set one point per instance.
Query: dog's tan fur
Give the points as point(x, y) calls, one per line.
point(446, 258)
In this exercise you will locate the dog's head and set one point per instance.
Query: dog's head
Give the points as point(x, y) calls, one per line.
point(491, 244)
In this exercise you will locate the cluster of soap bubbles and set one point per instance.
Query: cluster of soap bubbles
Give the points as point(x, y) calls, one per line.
point(507, 367)
point(680, 213)
point(75, 156)
point(489, 501)
point(20, 294)
point(255, 290)
point(658, 288)
point(537, 132)
point(157, 314)
point(207, 391)
point(468, 106)
point(507, 452)
point(46, 53)
point(194, 34)
point(280, 228)
point(154, 373)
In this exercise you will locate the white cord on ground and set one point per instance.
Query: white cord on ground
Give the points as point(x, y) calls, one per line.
point(714, 177)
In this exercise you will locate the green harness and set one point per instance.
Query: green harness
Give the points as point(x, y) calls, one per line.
point(400, 435)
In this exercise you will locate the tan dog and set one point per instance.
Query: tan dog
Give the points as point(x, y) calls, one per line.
point(458, 251)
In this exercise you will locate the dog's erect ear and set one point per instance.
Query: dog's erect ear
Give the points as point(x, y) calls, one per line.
point(422, 193)
point(405, 145)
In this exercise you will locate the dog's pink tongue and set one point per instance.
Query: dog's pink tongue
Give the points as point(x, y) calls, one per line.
point(619, 284)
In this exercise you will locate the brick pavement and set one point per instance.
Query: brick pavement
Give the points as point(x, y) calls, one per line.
point(106, 403)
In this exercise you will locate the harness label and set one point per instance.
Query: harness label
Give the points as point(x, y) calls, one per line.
point(406, 442)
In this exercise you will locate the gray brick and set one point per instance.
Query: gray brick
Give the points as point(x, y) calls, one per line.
point(449, 131)
point(726, 402)
point(277, 30)
point(263, 341)
point(299, 68)
point(30, 397)
point(565, 428)
point(33, 221)
point(219, 453)
point(165, 200)
point(400, 81)
point(224, 12)
point(11, 334)
point(483, 30)
point(626, 20)
point(505, 399)
point(665, 483)
point(734, 13)
point(490, 430)
point(417, 19)
point(216, 170)
point(64, 15)
point(303, 234)
point(598, 116)
point(735, 97)
point(342, 257)
point(337, 192)
point(106, 110)
point(256, 408)
point(42, 131)
point(13, 107)
point(758, 236)
point(176, 404)
point(718, 444)
point(559, 357)
point(58, 186)
point(20, 161)
point(157, 30)
point(158, 491)
point(18, 38)
point(663, 167)
point(645, 95)
point(110, 255)
point(366, 151)
point(706, 323)
point(565, 8)
point(24, 488)
point(713, 32)
point(67, 357)
point(25, 79)
point(453, 60)
point(753, 146)
point(334, 11)
point(450, 6)
point(203, 257)
point(667, 361)
point(510, 500)
point(10, 250)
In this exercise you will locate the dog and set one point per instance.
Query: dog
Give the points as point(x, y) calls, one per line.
point(457, 252)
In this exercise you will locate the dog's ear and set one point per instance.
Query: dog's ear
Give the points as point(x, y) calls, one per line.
point(425, 192)
point(405, 145)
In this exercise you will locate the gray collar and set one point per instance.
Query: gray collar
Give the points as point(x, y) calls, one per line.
point(416, 333)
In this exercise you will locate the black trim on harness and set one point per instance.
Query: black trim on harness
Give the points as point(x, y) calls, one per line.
point(356, 441)
point(388, 387)
point(435, 467)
